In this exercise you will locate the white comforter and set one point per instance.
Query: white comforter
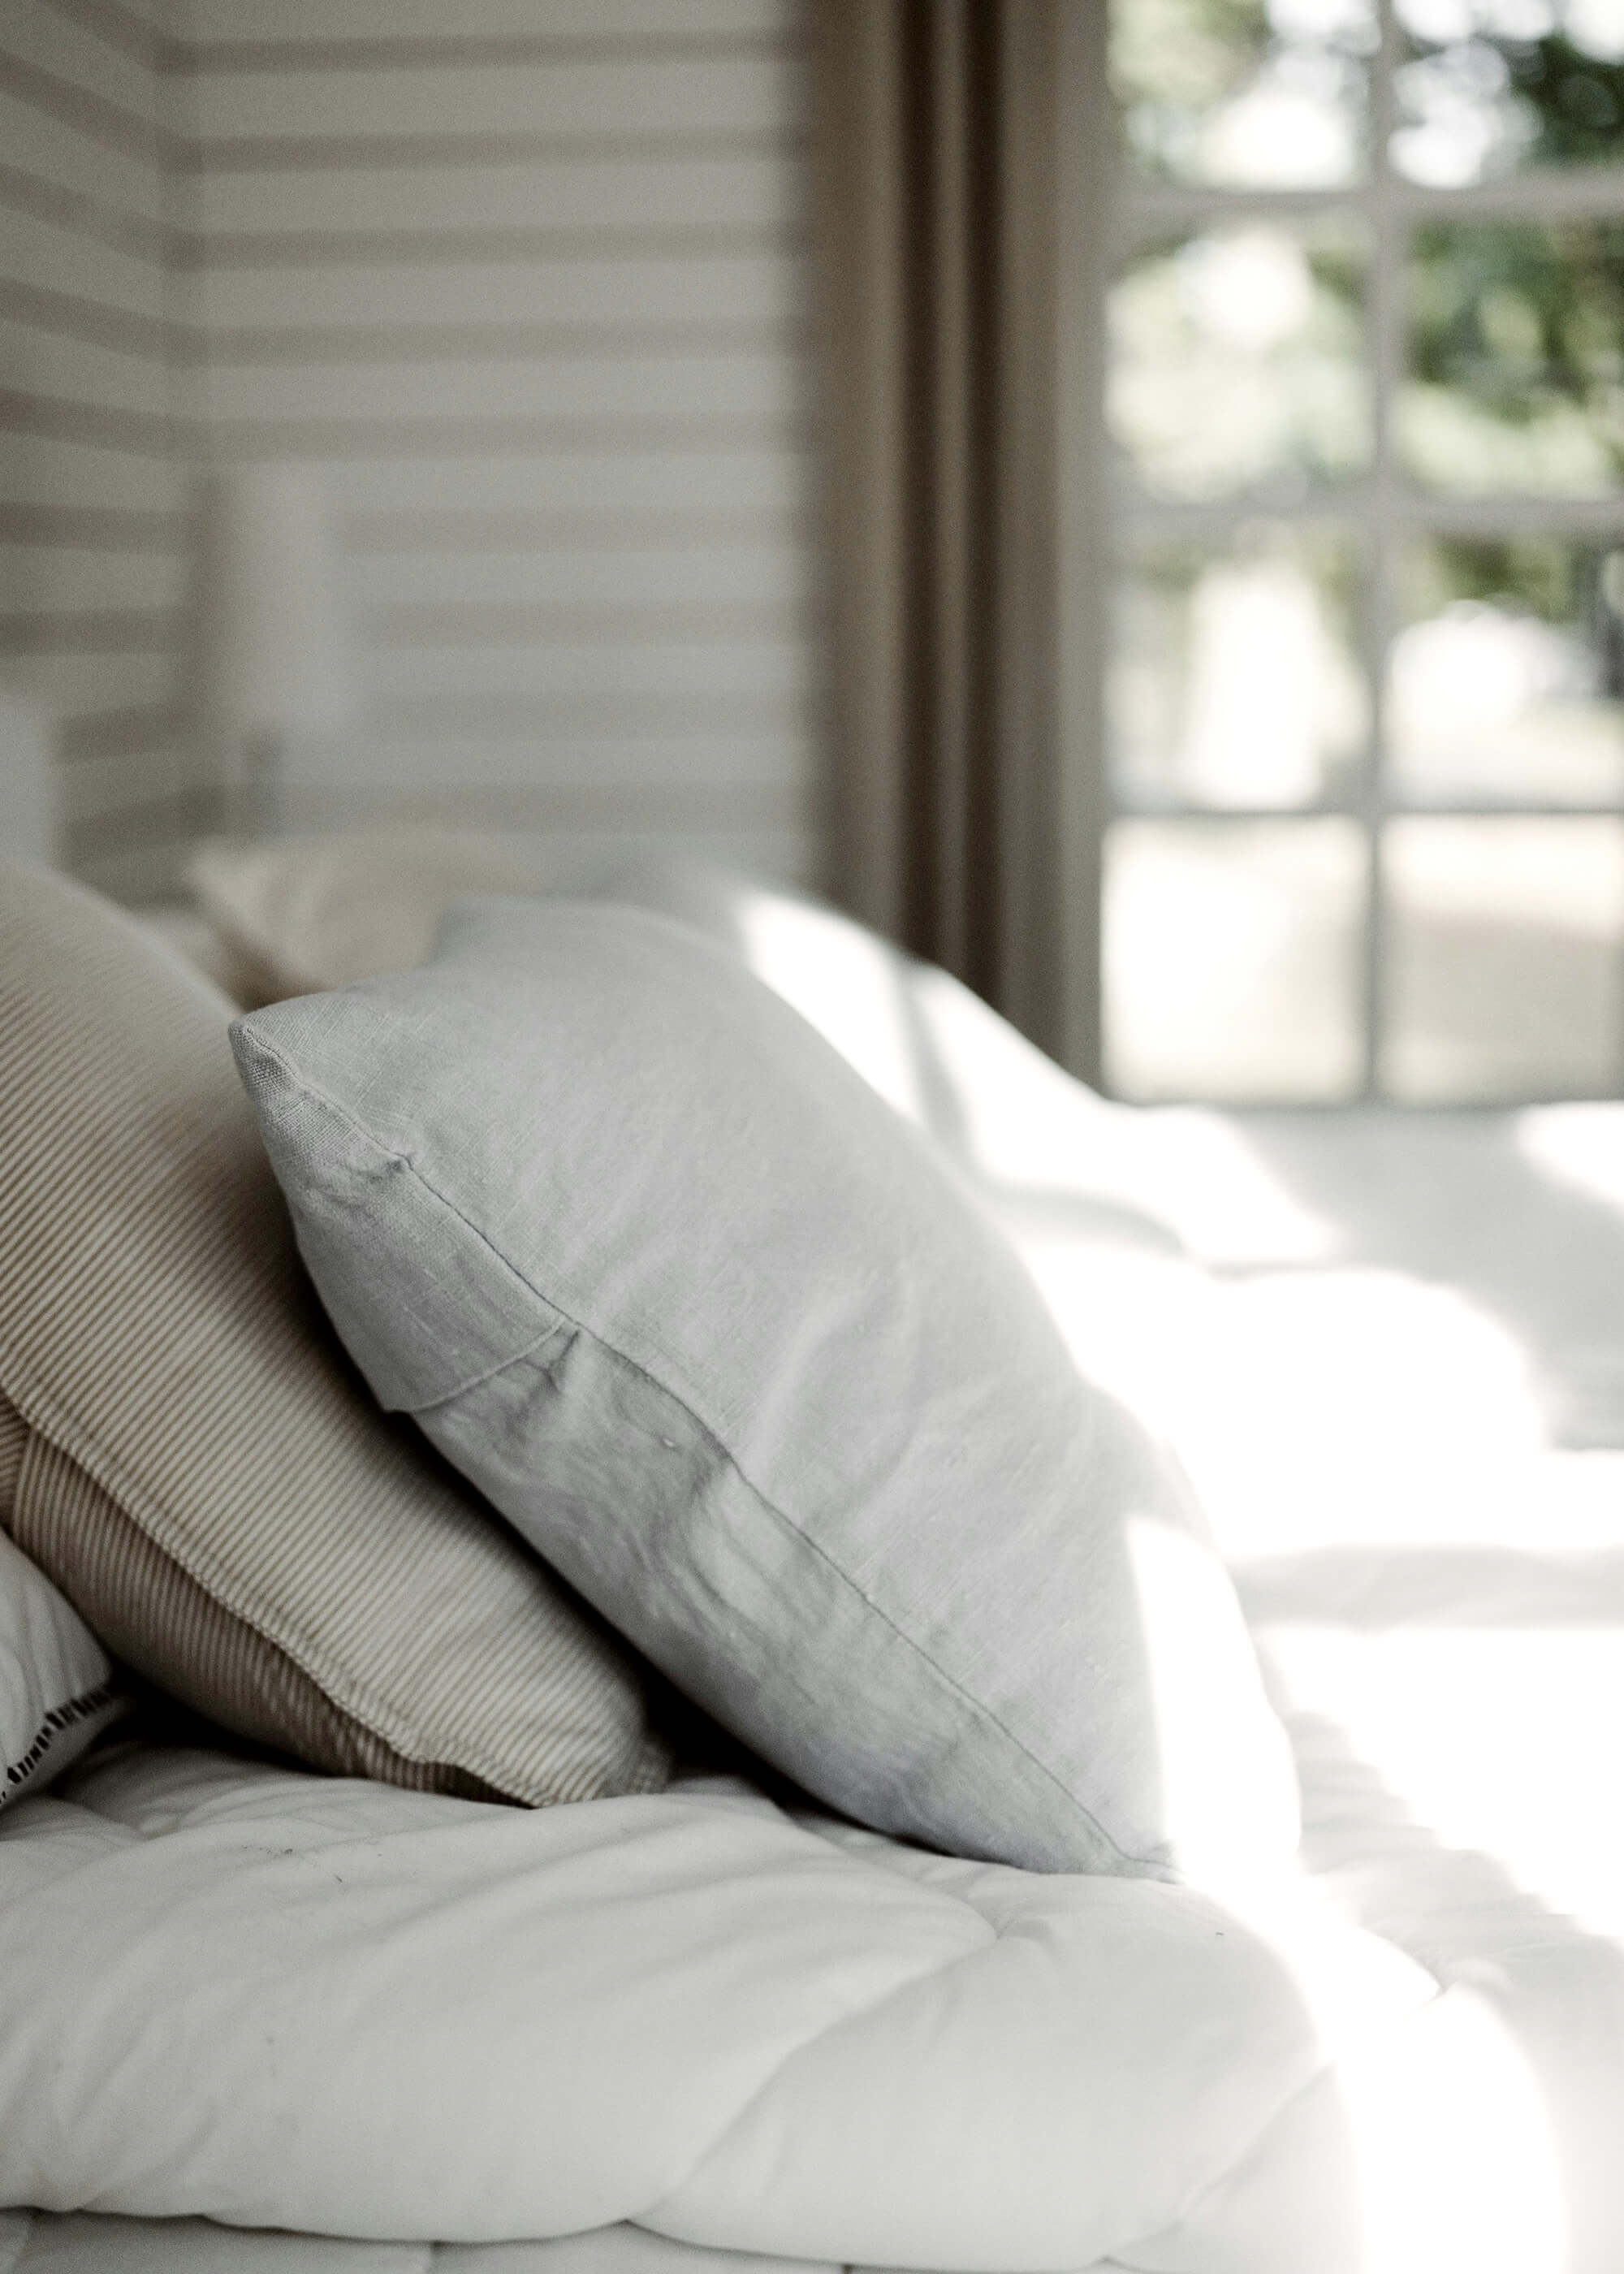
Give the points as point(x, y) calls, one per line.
point(278, 2001)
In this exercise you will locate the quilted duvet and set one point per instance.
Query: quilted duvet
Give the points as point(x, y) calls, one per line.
point(277, 2001)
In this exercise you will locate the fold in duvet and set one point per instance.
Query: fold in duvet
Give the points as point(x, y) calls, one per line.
point(274, 2000)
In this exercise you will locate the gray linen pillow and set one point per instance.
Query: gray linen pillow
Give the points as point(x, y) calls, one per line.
point(724, 1337)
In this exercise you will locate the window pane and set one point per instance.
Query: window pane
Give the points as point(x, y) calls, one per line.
point(1231, 958)
point(1237, 361)
point(1506, 939)
point(1492, 86)
point(1233, 678)
point(1507, 681)
point(1516, 354)
point(1263, 92)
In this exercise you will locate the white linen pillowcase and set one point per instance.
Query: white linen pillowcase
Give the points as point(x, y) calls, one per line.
point(58, 1690)
point(728, 1343)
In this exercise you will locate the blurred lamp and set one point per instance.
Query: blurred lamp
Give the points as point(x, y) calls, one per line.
point(274, 656)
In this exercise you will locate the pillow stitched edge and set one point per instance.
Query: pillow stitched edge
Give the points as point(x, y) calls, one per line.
point(57, 1721)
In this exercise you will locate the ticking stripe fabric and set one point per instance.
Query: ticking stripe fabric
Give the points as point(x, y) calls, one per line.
point(130, 1592)
point(13, 1445)
point(184, 1448)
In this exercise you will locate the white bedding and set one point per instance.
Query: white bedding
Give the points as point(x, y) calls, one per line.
point(93, 2243)
point(1393, 1353)
point(282, 2001)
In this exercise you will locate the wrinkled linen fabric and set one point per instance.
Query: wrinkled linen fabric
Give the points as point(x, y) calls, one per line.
point(252, 1995)
point(733, 1348)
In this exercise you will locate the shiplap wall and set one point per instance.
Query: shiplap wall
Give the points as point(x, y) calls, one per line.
point(94, 537)
point(525, 279)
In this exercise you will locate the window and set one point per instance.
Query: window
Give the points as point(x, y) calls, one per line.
point(1364, 414)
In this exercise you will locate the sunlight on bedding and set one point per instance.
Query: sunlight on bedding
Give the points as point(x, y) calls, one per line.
point(1361, 1405)
point(1233, 1827)
point(1311, 1407)
point(1431, 1579)
point(1455, 2162)
point(843, 981)
point(1428, 2151)
point(1222, 1198)
point(1505, 1741)
point(936, 1053)
point(1580, 1145)
point(1027, 1124)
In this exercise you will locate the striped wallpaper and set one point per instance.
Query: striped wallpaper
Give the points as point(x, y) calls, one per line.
point(525, 279)
point(95, 550)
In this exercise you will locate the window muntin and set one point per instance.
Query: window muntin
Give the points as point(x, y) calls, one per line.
point(1365, 418)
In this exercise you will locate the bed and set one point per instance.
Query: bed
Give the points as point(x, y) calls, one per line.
point(1390, 1349)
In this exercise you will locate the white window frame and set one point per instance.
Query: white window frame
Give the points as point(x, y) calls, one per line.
point(1106, 213)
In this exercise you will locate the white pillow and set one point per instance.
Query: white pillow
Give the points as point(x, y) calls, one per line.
point(728, 1343)
point(57, 1686)
point(296, 914)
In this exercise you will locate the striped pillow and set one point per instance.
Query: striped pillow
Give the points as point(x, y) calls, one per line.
point(192, 1460)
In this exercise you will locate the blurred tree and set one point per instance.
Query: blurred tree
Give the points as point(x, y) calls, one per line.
point(1516, 328)
point(1572, 102)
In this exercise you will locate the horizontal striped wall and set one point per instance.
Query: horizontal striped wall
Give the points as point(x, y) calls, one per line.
point(525, 279)
point(95, 486)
